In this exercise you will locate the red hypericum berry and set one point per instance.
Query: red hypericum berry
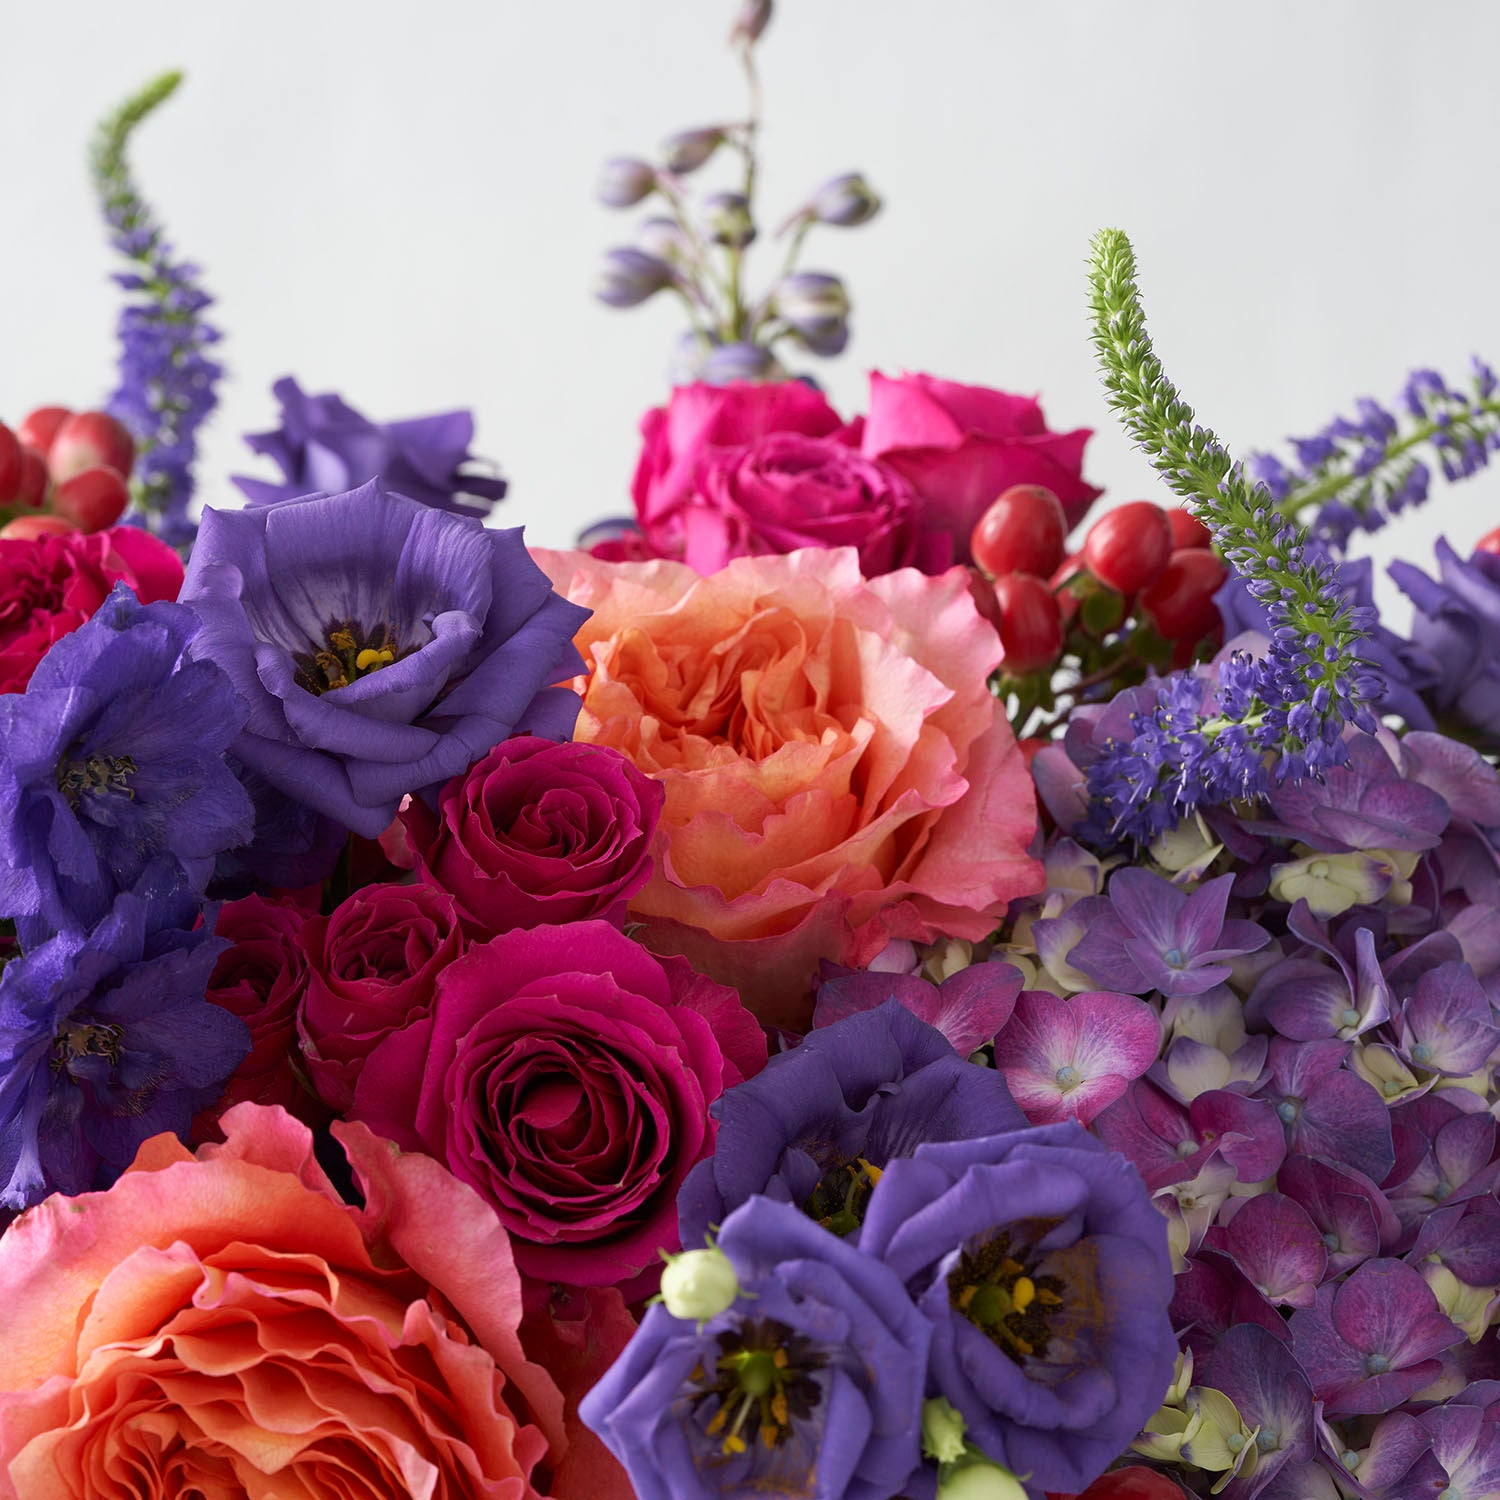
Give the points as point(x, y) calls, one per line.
point(87, 440)
point(10, 464)
point(1022, 532)
point(93, 499)
point(1134, 1483)
point(31, 492)
point(1187, 529)
point(39, 427)
point(1031, 628)
point(1128, 546)
point(1489, 542)
point(1067, 601)
point(1179, 602)
point(29, 528)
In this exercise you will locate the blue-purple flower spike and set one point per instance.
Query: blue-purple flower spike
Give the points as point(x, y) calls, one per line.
point(167, 379)
point(1268, 720)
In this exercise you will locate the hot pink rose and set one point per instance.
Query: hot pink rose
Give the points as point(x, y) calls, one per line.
point(373, 966)
point(837, 772)
point(786, 491)
point(51, 585)
point(962, 445)
point(538, 832)
point(699, 419)
point(566, 1074)
point(221, 1324)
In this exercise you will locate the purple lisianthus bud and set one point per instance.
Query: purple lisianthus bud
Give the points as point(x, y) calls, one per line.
point(727, 218)
point(752, 20)
point(626, 181)
point(1043, 1267)
point(807, 1129)
point(815, 306)
point(816, 1368)
point(629, 277)
point(379, 645)
point(725, 363)
point(325, 445)
point(845, 201)
point(687, 150)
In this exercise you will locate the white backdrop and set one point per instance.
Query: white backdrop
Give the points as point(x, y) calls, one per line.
point(394, 200)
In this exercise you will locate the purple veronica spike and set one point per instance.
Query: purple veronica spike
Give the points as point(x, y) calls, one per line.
point(106, 1040)
point(1154, 936)
point(1445, 1026)
point(324, 446)
point(861, 1092)
point(1259, 1374)
point(1347, 1209)
point(968, 1007)
point(1372, 1341)
point(1326, 1110)
point(1043, 1268)
point(822, 1349)
point(112, 757)
point(1068, 1059)
point(381, 646)
point(1274, 1242)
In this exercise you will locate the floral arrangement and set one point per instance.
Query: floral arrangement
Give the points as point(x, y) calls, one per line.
point(858, 981)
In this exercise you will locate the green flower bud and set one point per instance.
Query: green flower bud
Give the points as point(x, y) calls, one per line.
point(981, 1480)
point(942, 1430)
point(698, 1284)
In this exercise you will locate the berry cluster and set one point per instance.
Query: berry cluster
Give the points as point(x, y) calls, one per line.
point(1137, 593)
point(62, 470)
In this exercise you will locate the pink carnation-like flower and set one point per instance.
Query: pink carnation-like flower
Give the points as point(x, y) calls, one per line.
point(221, 1324)
point(837, 774)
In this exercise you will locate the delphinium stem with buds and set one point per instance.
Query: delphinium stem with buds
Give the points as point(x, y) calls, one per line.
point(1271, 719)
point(698, 251)
point(167, 379)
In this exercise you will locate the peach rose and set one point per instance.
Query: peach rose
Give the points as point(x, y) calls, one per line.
point(221, 1324)
point(837, 772)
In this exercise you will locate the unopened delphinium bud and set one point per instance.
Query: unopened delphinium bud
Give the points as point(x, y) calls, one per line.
point(662, 238)
point(815, 306)
point(628, 277)
point(754, 17)
point(844, 201)
point(626, 181)
point(729, 362)
point(699, 1284)
point(727, 218)
point(687, 150)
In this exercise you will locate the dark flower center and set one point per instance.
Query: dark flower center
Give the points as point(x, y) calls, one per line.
point(348, 652)
point(78, 1039)
point(95, 776)
point(842, 1195)
point(763, 1376)
point(1002, 1293)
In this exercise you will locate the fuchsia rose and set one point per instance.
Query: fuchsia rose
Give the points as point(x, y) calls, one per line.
point(962, 445)
point(786, 491)
point(49, 586)
point(837, 772)
point(538, 832)
point(677, 439)
point(566, 1074)
point(373, 966)
point(221, 1324)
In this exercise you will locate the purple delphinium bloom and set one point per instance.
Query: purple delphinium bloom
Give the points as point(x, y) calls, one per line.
point(809, 1383)
point(968, 1007)
point(1371, 1341)
point(1458, 625)
point(857, 1094)
point(290, 846)
point(106, 1039)
point(1259, 1374)
point(324, 446)
point(113, 756)
point(1276, 1246)
point(1326, 1110)
point(381, 646)
point(1147, 934)
point(1043, 1266)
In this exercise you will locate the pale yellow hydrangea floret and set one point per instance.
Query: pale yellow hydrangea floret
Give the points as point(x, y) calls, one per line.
point(1473, 1308)
point(1186, 850)
point(1385, 1072)
point(1331, 883)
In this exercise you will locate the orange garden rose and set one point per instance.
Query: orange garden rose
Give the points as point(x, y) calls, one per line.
point(837, 773)
point(222, 1325)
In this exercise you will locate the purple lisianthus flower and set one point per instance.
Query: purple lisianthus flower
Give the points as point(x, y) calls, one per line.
point(1043, 1266)
point(809, 1383)
point(968, 1007)
point(106, 1039)
point(1371, 1342)
point(324, 446)
point(855, 1095)
point(1148, 934)
point(381, 646)
point(111, 758)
